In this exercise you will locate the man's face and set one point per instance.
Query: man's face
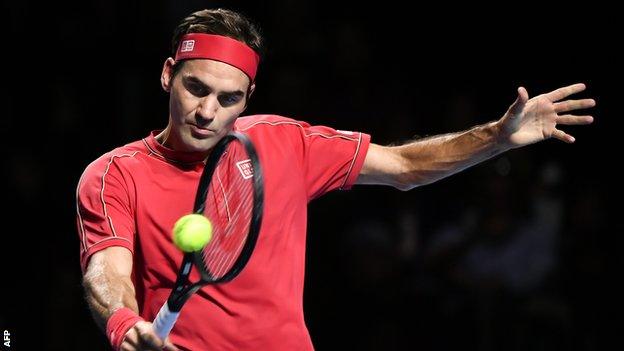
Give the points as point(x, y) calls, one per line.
point(206, 97)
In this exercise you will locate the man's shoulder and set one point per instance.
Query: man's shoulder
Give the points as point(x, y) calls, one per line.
point(123, 154)
point(255, 123)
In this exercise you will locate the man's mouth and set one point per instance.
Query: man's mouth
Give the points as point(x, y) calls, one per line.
point(201, 131)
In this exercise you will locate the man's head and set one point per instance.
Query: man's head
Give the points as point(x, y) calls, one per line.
point(211, 88)
point(220, 22)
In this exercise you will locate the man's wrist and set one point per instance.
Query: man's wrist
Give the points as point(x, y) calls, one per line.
point(499, 136)
point(118, 325)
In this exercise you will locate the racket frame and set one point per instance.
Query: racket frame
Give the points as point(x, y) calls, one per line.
point(184, 289)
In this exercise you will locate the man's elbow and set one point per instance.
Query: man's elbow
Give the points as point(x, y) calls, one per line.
point(405, 187)
point(408, 179)
point(406, 182)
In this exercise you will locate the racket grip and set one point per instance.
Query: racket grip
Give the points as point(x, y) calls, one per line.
point(164, 321)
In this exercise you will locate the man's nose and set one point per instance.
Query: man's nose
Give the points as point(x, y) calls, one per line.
point(208, 108)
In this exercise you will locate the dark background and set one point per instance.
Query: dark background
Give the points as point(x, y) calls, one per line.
point(521, 252)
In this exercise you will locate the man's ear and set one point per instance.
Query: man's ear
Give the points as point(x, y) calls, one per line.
point(250, 91)
point(166, 77)
point(252, 88)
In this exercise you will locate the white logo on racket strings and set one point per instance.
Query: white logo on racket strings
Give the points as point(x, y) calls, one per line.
point(245, 168)
point(187, 46)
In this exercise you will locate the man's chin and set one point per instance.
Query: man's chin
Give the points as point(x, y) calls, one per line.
point(203, 145)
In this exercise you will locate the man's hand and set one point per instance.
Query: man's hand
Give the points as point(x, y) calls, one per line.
point(531, 120)
point(141, 337)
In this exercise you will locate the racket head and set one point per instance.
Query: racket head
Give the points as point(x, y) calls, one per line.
point(231, 195)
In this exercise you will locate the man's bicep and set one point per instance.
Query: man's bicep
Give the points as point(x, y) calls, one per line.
point(383, 165)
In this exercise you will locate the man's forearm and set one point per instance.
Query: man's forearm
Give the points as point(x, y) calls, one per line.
point(106, 291)
point(431, 159)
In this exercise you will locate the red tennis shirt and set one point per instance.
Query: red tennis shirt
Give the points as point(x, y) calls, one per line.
point(132, 196)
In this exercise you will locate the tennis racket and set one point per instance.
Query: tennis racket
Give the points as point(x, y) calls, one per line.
point(230, 194)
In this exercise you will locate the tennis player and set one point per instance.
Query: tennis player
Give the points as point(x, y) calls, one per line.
point(129, 198)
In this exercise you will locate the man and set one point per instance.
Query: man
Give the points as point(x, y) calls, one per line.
point(128, 199)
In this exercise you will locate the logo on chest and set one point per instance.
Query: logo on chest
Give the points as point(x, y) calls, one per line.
point(245, 168)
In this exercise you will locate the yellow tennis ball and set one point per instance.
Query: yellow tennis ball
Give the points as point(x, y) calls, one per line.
point(192, 232)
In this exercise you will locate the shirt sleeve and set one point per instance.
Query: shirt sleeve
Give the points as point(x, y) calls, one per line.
point(332, 158)
point(104, 211)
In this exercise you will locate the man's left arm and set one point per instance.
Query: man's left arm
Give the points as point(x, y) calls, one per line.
point(427, 160)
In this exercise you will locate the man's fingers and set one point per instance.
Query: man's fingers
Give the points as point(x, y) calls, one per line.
point(564, 92)
point(563, 136)
point(142, 337)
point(569, 105)
point(169, 346)
point(148, 339)
point(574, 120)
point(150, 342)
point(130, 341)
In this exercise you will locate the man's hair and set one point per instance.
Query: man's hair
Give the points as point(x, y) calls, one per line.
point(219, 22)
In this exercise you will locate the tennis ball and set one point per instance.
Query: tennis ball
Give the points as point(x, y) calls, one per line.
point(192, 232)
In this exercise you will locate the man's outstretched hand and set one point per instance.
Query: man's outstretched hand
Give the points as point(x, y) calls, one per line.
point(531, 120)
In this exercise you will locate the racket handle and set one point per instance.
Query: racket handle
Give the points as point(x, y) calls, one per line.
point(164, 321)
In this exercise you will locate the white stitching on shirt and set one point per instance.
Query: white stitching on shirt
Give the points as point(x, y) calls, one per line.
point(359, 140)
point(300, 126)
point(108, 218)
point(352, 162)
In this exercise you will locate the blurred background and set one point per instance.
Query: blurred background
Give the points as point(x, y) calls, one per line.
point(519, 253)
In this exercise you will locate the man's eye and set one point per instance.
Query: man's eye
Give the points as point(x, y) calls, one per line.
point(196, 90)
point(228, 100)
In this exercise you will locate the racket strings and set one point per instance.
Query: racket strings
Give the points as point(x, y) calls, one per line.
point(221, 254)
point(232, 217)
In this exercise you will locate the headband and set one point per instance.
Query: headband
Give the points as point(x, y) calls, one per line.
point(219, 48)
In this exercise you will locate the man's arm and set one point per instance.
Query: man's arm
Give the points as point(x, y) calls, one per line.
point(428, 160)
point(108, 285)
point(108, 288)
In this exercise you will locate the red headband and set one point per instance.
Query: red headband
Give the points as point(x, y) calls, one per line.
point(219, 48)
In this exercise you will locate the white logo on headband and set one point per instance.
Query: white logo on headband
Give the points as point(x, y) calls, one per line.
point(187, 46)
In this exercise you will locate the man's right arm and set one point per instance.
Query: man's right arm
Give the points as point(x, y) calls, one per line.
point(108, 284)
point(108, 287)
